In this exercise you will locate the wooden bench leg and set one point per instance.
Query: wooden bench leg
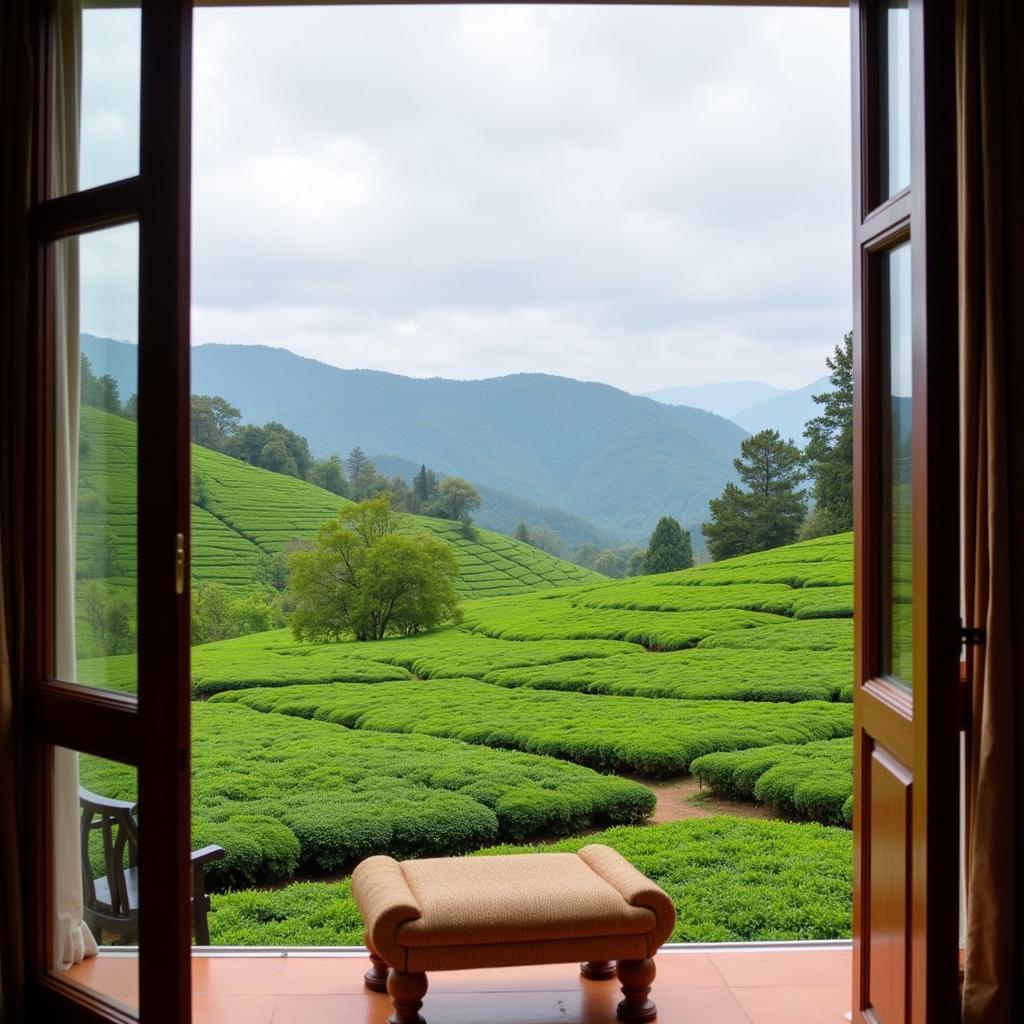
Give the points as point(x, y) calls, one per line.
point(598, 970)
point(636, 977)
point(407, 992)
point(376, 978)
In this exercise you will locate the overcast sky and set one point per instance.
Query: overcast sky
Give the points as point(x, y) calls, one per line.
point(642, 196)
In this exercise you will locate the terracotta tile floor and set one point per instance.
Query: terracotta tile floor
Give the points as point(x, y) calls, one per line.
point(766, 985)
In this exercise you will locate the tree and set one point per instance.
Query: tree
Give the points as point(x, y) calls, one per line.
point(362, 578)
point(670, 547)
point(131, 407)
point(545, 539)
point(214, 421)
point(829, 452)
point(769, 512)
point(424, 484)
point(329, 474)
point(522, 533)
point(455, 499)
point(275, 457)
point(99, 392)
point(109, 613)
point(211, 612)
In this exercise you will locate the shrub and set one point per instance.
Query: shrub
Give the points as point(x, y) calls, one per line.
point(277, 792)
point(732, 880)
point(813, 780)
point(656, 738)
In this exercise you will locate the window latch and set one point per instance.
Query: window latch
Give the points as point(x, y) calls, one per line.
point(179, 563)
point(972, 636)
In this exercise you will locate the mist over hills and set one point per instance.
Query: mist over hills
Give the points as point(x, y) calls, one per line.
point(753, 404)
point(617, 460)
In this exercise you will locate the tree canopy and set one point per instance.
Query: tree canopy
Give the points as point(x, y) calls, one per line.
point(455, 499)
point(829, 451)
point(670, 547)
point(770, 511)
point(362, 578)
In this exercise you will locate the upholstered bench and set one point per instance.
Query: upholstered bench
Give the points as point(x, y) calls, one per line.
point(460, 913)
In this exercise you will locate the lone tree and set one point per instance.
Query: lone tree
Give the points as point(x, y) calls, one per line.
point(770, 511)
point(361, 578)
point(829, 452)
point(670, 547)
point(455, 499)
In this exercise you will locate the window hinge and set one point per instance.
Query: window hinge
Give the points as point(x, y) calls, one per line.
point(972, 636)
point(179, 563)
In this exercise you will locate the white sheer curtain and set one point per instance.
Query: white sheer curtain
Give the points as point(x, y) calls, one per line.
point(72, 939)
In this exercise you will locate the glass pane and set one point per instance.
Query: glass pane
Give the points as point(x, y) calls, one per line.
point(96, 876)
point(96, 336)
point(894, 116)
point(896, 339)
point(109, 112)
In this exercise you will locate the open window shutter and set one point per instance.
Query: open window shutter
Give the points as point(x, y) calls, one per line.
point(907, 514)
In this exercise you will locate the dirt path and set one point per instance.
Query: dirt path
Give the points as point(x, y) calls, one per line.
point(682, 797)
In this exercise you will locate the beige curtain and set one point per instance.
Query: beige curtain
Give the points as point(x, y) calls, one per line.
point(990, 127)
point(72, 939)
point(16, 80)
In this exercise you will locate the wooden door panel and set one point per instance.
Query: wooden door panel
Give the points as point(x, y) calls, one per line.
point(889, 794)
point(906, 513)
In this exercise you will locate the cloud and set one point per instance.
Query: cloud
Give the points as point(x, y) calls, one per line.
point(640, 195)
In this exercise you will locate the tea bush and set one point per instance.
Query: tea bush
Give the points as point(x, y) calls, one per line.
point(343, 795)
point(698, 674)
point(655, 738)
point(814, 780)
point(732, 880)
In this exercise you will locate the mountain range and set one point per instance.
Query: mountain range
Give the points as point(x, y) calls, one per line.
point(752, 404)
point(617, 460)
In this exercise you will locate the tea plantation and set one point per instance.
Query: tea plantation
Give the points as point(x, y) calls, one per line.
point(731, 879)
point(506, 728)
point(246, 512)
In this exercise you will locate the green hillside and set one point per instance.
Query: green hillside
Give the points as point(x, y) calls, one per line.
point(246, 512)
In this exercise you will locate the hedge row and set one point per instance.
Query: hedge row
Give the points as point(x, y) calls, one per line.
point(698, 674)
point(732, 880)
point(279, 793)
point(814, 780)
point(654, 738)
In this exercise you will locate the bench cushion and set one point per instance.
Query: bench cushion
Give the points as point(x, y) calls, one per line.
point(523, 898)
point(453, 913)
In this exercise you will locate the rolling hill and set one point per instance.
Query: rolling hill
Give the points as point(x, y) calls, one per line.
point(617, 460)
point(247, 512)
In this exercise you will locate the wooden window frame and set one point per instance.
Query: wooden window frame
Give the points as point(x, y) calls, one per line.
point(150, 733)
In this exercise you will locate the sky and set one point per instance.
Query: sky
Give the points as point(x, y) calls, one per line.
point(644, 196)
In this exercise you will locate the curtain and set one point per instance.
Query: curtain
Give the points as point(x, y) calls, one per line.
point(72, 939)
point(16, 79)
point(990, 137)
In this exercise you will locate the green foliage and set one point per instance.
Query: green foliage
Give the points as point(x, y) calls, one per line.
point(731, 880)
point(766, 515)
point(105, 617)
point(344, 795)
point(814, 780)
point(218, 614)
point(329, 473)
point(669, 549)
point(214, 421)
point(361, 578)
point(654, 738)
point(455, 499)
point(272, 447)
point(829, 451)
point(715, 674)
point(98, 392)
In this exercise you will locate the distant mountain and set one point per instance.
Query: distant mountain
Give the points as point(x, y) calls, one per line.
point(502, 512)
point(787, 413)
point(725, 399)
point(618, 460)
point(752, 404)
